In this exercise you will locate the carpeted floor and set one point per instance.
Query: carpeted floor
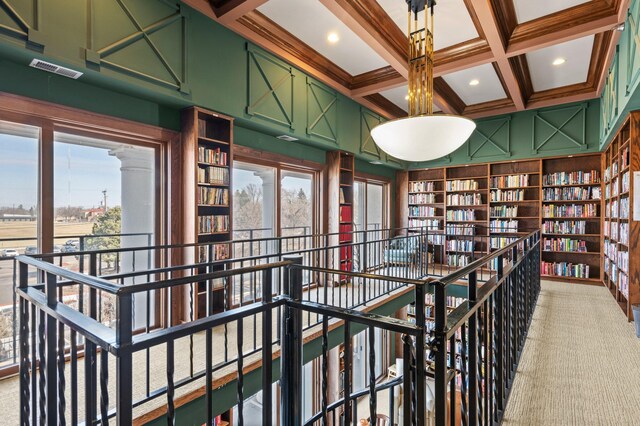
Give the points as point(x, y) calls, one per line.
point(581, 362)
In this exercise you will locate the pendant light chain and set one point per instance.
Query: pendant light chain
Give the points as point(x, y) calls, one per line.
point(421, 62)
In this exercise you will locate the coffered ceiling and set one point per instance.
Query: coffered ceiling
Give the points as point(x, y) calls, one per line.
point(492, 56)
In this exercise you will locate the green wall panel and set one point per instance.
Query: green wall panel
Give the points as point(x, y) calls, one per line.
point(369, 120)
point(567, 129)
point(322, 112)
point(490, 138)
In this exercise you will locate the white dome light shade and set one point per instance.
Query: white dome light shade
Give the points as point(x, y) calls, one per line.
point(423, 137)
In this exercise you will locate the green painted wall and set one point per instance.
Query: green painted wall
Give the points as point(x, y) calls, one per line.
point(566, 129)
point(621, 93)
point(184, 59)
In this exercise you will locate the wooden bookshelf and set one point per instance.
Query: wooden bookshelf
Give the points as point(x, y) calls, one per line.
point(426, 200)
point(571, 218)
point(207, 139)
point(504, 200)
point(340, 170)
point(621, 234)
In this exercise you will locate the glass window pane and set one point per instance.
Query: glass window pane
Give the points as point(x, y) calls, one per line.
point(296, 203)
point(18, 219)
point(359, 201)
point(253, 201)
point(104, 198)
point(375, 207)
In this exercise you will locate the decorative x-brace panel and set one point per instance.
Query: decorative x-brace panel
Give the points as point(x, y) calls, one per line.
point(146, 40)
point(368, 121)
point(491, 138)
point(322, 112)
point(633, 45)
point(559, 129)
point(270, 87)
point(20, 19)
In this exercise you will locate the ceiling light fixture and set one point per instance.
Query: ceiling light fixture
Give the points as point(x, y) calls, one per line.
point(620, 27)
point(559, 61)
point(422, 136)
point(474, 82)
point(333, 37)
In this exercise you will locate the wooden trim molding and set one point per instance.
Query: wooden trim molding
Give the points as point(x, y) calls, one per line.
point(386, 105)
point(446, 98)
point(376, 81)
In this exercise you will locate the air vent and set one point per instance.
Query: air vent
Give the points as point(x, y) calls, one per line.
point(56, 69)
point(287, 138)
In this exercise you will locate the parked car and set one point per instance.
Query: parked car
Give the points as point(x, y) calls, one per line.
point(69, 248)
point(9, 253)
point(73, 243)
point(31, 250)
point(57, 248)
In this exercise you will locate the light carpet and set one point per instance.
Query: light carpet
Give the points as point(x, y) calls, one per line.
point(580, 364)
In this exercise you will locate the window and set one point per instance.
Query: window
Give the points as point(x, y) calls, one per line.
point(361, 369)
point(18, 218)
point(254, 201)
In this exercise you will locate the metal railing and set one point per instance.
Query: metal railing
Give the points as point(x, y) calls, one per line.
point(56, 387)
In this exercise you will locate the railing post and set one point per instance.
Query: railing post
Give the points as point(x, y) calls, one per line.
point(365, 253)
point(124, 359)
point(291, 359)
point(26, 365)
point(420, 385)
point(440, 349)
point(267, 341)
point(50, 342)
point(473, 351)
point(90, 360)
point(499, 339)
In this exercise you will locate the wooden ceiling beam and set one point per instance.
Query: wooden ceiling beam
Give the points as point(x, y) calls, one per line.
point(232, 10)
point(445, 98)
point(368, 20)
point(579, 21)
point(489, 21)
point(491, 108)
point(383, 106)
point(376, 81)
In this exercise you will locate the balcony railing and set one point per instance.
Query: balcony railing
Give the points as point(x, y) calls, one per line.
point(131, 367)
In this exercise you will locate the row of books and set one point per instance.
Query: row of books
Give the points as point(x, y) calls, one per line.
point(503, 226)
point(213, 196)
point(429, 302)
point(624, 233)
point(570, 210)
point(345, 214)
point(624, 158)
point(624, 208)
point(565, 269)
point(202, 128)
point(430, 224)
point(464, 199)
point(564, 244)
point(423, 211)
point(501, 242)
point(626, 185)
point(462, 185)
point(508, 195)
point(213, 175)
point(422, 198)
point(504, 211)
point(623, 261)
point(623, 285)
point(564, 227)
point(610, 171)
point(572, 178)
point(461, 215)
point(461, 245)
point(212, 252)
point(458, 260)
point(346, 235)
point(435, 239)
point(460, 230)
point(213, 223)
point(509, 181)
point(612, 209)
point(212, 156)
point(611, 250)
point(571, 193)
point(421, 186)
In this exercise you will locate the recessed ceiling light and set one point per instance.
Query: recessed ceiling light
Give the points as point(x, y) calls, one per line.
point(559, 61)
point(333, 37)
point(474, 82)
point(406, 98)
point(376, 162)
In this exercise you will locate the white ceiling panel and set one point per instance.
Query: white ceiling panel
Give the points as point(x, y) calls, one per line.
point(452, 24)
point(488, 88)
point(575, 69)
point(399, 97)
point(528, 10)
point(311, 22)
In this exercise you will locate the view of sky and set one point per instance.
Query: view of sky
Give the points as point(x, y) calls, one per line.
point(80, 174)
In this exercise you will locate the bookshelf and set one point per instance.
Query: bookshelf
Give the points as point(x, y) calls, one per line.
point(207, 139)
point(484, 207)
point(571, 222)
point(621, 270)
point(467, 213)
point(341, 169)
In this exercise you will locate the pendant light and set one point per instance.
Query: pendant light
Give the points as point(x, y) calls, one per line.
point(423, 135)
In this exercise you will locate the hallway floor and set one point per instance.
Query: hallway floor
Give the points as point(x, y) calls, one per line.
point(581, 362)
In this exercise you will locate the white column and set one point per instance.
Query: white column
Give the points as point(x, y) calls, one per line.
point(138, 208)
point(268, 200)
